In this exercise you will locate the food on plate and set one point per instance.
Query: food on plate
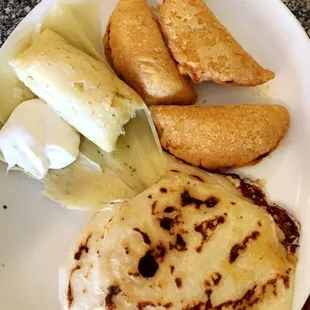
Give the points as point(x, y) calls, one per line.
point(82, 90)
point(137, 159)
point(221, 137)
point(84, 185)
point(136, 50)
point(204, 49)
point(186, 242)
point(97, 178)
point(36, 139)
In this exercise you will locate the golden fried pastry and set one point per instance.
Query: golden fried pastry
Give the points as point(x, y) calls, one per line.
point(203, 47)
point(135, 49)
point(220, 137)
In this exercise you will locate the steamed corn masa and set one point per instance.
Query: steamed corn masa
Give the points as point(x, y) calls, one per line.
point(204, 48)
point(83, 91)
point(136, 50)
point(221, 137)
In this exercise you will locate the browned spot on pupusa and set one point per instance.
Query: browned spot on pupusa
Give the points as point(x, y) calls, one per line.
point(240, 247)
point(253, 295)
point(195, 305)
point(179, 245)
point(144, 235)
point(216, 278)
point(154, 207)
point(159, 252)
point(166, 223)
point(70, 296)
point(142, 305)
point(148, 265)
point(163, 190)
point(113, 290)
point(178, 282)
point(171, 269)
point(187, 199)
point(238, 303)
point(281, 217)
point(169, 209)
point(207, 228)
point(82, 247)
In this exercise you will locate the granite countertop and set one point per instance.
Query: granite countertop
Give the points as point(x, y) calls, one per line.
point(13, 11)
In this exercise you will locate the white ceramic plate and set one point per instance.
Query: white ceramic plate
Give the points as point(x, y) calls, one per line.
point(35, 233)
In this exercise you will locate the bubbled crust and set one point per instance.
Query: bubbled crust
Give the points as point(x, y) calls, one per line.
point(220, 137)
point(135, 48)
point(204, 48)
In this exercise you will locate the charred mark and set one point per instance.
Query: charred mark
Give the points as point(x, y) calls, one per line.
point(154, 206)
point(179, 245)
point(149, 196)
point(178, 282)
point(163, 190)
point(148, 265)
point(160, 252)
point(281, 217)
point(233, 304)
point(169, 209)
point(69, 291)
point(197, 177)
point(216, 278)
point(198, 305)
point(144, 235)
point(207, 228)
point(113, 290)
point(174, 170)
point(82, 247)
point(251, 297)
point(240, 247)
point(144, 304)
point(134, 274)
point(166, 223)
point(187, 199)
point(171, 269)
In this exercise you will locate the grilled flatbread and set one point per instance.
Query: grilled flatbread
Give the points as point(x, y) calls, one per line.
point(135, 49)
point(204, 48)
point(221, 137)
point(184, 243)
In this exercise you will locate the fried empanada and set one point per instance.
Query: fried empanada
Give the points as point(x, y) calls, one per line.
point(221, 137)
point(204, 48)
point(135, 49)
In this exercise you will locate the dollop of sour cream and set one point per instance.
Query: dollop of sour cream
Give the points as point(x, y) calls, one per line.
point(36, 139)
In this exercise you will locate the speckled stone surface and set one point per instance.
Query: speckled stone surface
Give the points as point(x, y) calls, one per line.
point(13, 11)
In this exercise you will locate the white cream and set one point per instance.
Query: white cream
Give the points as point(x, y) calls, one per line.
point(36, 139)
